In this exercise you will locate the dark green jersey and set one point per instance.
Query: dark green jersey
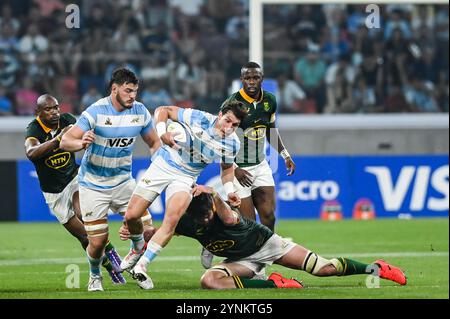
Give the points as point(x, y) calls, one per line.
point(252, 133)
point(56, 169)
point(233, 242)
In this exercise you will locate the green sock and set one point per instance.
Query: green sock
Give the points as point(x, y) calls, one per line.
point(352, 267)
point(107, 264)
point(242, 282)
point(109, 246)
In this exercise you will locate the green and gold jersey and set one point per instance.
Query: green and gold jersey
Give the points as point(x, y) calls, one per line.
point(56, 169)
point(253, 130)
point(233, 242)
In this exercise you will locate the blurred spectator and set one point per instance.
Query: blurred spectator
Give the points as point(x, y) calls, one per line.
point(90, 97)
point(5, 103)
point(154, 95)
point(196, 49)
point(32, 43)
point(190, 8)
point(419, 95)
point(363, 97)
point(26, 98)
point(7, 18)
point(395, 101)
point(310, 74)
point(397, 21)
point(124, 40)
point(8, 70)
point(192, 77)
point(8, 40)
point(339, 81)
point(290, 95)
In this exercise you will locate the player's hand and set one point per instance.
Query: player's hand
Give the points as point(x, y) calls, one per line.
point(290, 166)
point(199, 189)
point(243, 177)
point(88, 138)
point(124, 233)
point(168, 139)
point(234, 200)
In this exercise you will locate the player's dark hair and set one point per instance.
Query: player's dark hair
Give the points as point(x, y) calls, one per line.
point(250, 65)
point(236, 107)
point(200, 205)
point(123, 75)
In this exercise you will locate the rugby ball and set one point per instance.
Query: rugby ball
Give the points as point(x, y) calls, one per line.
point(183, 138)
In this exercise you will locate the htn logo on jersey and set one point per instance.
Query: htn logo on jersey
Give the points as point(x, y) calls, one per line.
point(120, 142)
point(393, 194)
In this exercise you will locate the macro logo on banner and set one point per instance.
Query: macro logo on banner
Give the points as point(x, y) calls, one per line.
point(393, 186)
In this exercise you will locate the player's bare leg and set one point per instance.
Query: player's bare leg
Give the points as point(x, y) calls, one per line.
point(136, 209)
point(76, 228)
point(301, 258)
point(175, 208)
point(234, 275)
point(264, 201)
point(95, 249)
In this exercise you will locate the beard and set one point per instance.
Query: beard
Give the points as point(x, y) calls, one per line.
point(122, 102)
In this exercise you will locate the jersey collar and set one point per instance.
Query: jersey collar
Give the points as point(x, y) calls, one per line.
point(248, 98)
point(44, 127)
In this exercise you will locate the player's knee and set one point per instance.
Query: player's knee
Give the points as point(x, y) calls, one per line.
point(208, 281)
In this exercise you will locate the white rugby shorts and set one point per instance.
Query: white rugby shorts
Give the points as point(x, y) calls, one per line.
point(60, 204)
point(161, 176)
point(261, 176)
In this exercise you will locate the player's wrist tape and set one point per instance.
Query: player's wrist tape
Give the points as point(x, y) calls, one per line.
point(161, 128)
point(285, 154)
point(229, 188)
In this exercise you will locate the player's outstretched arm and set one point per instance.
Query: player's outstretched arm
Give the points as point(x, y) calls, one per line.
point(76, 139)
point(275, 140)
point(228, 216)
point(227, 176)
point(152, 140)
point(35, 150)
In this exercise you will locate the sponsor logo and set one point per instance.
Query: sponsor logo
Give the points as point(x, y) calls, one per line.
point(120, 142)
point(108, 121)
point(308, 190)
point(220, 245)
point(135, 120)
point(255, 133)
point(58, 160)
point(418, 180)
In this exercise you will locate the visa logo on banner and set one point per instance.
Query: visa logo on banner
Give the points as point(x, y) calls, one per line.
point(419, 178)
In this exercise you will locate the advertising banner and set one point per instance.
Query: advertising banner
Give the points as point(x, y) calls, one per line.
point(360, 186)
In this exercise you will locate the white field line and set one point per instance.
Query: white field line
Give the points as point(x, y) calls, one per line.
point(49, 261)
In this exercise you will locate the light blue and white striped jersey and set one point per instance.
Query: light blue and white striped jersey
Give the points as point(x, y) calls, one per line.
point(206, 145)
point(107, 162)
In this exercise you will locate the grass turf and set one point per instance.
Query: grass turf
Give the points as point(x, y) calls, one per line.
point(34, 258)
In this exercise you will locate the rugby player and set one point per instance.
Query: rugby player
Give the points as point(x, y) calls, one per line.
point(253, 176)
point(108, 130)
point(250, 247)
point(57, 171)
point(175, 171)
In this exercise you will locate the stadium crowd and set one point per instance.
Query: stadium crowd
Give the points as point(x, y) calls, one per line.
point(323, 57)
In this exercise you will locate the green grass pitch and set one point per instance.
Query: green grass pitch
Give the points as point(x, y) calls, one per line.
point(34, 258)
